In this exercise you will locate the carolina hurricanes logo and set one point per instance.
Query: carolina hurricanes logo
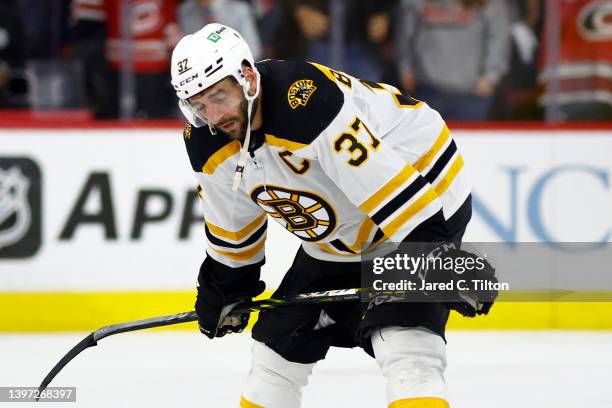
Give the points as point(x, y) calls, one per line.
point(146, 16)
point(304, 214)
point(15, 213)
point(595, 21)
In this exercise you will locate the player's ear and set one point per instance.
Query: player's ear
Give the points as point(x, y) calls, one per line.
point(250, 76)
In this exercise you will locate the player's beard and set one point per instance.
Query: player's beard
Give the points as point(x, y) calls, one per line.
point(242, 120)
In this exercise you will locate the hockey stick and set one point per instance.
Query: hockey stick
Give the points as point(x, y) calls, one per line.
point(338, 295)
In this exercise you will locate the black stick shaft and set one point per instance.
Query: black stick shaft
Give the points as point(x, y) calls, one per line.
point(339, 295)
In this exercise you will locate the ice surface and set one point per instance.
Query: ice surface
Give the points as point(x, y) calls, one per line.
point(184, 369)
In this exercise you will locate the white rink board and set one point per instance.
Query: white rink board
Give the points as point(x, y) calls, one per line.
point(539, 186)
point(528, 186)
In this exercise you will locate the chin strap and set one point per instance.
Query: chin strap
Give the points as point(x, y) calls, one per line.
point(212, 129)
point(247, 137)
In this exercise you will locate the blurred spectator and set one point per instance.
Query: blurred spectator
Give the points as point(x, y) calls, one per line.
point(44, 25)
point(578, 76)
point(516, 96)
point(453, 53)
point(195, 14)
point(268, 14)
point(13, 86)
point(89, 46)
point(153, 32)
point(365, 26)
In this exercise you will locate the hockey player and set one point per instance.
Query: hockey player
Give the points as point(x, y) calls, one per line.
point(339, 162)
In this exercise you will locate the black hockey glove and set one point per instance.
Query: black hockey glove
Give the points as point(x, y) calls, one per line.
point(213, 304)
point(471, 280)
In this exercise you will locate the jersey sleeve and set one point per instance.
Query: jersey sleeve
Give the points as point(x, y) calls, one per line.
point(374, 176)
point(235, 226)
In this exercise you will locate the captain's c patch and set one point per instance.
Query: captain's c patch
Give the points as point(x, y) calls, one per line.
point(300, 92)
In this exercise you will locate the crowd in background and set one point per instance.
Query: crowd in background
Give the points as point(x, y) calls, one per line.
point(469, 59)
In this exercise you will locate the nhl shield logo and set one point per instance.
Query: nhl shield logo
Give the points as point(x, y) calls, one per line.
point(19, 208)
point(300, 92)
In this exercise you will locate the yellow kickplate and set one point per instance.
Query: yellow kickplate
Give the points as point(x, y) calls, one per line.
point(426, 402)
point(88, 311)
point(538, 316)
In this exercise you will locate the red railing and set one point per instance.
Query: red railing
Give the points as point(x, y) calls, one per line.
point(81, 119)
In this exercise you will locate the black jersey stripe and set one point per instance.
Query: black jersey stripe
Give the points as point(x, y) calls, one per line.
point(442, 161)
point(378, 235)
point(399, 200)
point(340, 246)
point(221, 243)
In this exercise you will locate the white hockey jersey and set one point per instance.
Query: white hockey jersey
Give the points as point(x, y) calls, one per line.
point(339, 162)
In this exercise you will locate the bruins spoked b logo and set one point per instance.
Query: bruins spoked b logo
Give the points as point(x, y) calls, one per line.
point(304, 214)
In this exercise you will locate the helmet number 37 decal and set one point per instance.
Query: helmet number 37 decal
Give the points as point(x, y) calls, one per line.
point(304, 214)
point(182, 66)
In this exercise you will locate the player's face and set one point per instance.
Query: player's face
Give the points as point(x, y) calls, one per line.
point(224, 106)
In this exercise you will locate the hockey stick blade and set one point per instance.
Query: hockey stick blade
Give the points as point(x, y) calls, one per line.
point(75, 351)
point(337, 295)
point(93, 338)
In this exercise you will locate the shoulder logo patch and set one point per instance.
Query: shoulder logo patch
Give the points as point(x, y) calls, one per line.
point(300, 92)
point(187, 131)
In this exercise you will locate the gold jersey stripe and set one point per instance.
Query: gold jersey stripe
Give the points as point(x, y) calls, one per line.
point(426, 402)
point(376, 244)
point(244, 255)
point(287, 144)
point(426, 159)
point(220, 156)
point(244, 403)
point(362, 236)
point(333, 251)
point(405, 216)
point(365, 230)
point(452, 172)
point(324, 70)
point(237, 235)
point(378, 197)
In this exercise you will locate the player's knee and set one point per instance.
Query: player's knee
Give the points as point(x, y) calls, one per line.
point(274, 381)
point(272, 366)
point(412, 361)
